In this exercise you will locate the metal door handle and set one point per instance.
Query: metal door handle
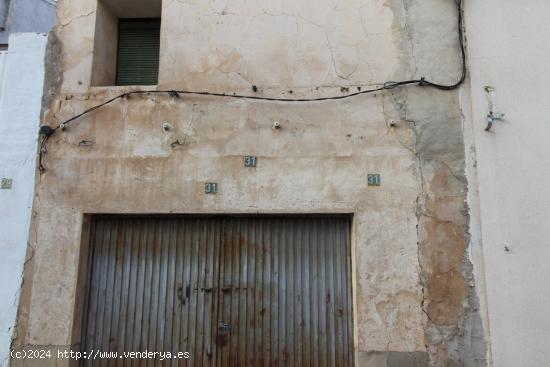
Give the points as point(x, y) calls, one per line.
point(223, 328)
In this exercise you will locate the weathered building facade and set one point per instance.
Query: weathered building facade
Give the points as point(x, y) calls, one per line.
point(396, 244)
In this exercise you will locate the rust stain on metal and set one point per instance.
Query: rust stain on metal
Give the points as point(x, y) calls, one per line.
point(263, 289)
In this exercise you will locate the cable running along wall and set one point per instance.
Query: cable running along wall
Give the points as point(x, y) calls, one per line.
point(47, 131)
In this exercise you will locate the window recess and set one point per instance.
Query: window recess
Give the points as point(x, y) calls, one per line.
point(126, 42)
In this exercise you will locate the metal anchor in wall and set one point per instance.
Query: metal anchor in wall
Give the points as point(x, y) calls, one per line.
point(492, 116)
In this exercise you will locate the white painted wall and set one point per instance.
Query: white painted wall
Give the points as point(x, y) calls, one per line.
point(509, 50)
point(21, 83)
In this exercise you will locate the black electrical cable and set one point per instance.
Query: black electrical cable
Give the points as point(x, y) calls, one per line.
point(386, 86)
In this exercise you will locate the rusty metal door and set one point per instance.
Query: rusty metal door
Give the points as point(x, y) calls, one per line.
point(231, 291)
point(285, 292)
point(150, 288)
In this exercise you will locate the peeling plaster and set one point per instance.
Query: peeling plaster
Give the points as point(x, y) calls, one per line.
point(412, 302)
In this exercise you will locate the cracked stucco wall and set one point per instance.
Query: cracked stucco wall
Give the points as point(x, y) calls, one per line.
point(414, 299)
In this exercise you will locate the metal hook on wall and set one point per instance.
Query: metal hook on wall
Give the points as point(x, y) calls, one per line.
point(492, 116)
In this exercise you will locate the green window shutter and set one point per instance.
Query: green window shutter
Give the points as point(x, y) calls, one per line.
point(138, 52)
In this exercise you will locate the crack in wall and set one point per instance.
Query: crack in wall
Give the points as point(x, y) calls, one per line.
point(76, 18)
point(333, 60)
point(409, 33)
point(299, 17)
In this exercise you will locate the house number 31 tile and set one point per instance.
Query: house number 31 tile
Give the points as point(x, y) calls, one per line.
point(373, 179)
point(250, 161)
point(211, 188)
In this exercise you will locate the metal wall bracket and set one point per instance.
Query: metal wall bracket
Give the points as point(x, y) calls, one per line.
point(492, 117)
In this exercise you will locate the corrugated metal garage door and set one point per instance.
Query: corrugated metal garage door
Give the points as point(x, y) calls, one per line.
point(231, 291)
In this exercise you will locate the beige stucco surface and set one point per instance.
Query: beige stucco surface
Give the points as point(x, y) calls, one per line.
point(508, 50)
point(316, 163)
point(105, 47)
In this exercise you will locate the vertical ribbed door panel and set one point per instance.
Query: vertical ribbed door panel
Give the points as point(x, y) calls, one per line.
point(231, 291)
